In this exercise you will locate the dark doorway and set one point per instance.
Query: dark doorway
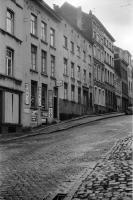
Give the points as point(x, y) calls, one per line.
point(55, 102)
point(0, 107)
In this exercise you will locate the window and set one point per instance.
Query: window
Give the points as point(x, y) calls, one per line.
point(78, 51)
point(89, 60)
point(33, 94)
point(10, 21)
point(44, 61)
point(84, 56)
point(52, 37)
point(33, 24)
point(72, 70)
point(84, 76)
point(44, 96)
point(65, 91)
point(65, 67)
point(44, 31)
point(79, 95)
point(79, 74)
point(72, 92)
point(65, 42)
point(52, 66)
point(72, 47)
point(33, 57)
point(90, 78)
point(9, 61)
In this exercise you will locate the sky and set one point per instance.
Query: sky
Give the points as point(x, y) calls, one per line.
point(115, 15)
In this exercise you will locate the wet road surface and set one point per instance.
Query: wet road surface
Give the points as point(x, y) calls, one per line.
point(31, 168)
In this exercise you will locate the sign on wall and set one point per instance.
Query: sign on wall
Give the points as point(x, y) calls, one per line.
point(50, 112)
point(27, 94)
point(34, 116)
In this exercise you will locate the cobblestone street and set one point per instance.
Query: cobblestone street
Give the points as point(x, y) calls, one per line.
point(111, 179)
point(34, 167)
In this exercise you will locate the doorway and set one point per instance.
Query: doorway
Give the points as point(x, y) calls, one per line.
point(55, 102)
point(0, 107)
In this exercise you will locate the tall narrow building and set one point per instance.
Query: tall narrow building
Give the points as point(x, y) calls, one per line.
point(103, 56)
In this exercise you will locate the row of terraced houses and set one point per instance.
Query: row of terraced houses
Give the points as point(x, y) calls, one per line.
point(56, 64)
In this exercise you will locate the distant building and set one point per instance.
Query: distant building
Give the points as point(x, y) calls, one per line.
point(75, 70)
point(130, 79)
point(118, 92)
point(121, 63)
point(103, 56)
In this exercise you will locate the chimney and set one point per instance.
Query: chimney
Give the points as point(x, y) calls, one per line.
point(79, 17)
point(56, 7)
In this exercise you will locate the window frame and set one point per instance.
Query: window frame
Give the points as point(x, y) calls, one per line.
point(52, 65)
point(33, 28)
point(11, 20)
point(52, 37)
point(11, 59)
point(43, 61)
point(43, 31)
point(32, 57)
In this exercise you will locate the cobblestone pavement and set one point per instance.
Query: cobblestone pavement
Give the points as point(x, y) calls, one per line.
point(33, 168)
point(112, 177)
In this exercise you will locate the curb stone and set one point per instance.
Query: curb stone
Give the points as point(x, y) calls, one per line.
point(57, 128)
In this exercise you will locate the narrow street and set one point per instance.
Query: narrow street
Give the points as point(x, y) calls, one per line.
point(34, 167)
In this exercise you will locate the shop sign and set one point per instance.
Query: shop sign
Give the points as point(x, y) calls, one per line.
point(27, 110)
point(27, 94)
point(50, 113)
point(50, 98)
point(59, 83)
point(34, 115)
point(44, 114)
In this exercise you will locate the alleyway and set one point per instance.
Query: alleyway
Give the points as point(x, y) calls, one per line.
point(35, 167)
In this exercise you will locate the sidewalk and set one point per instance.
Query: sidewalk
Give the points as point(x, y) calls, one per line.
point(57, 127)
point(111, 178)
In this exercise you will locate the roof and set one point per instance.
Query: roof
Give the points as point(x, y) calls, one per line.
point(85, 17)
point(48, 9)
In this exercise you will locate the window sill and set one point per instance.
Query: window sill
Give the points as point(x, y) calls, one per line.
point(17, 81)
point(52, 47)
point(66, 75)
point(34, 36)
point(44, 74)
point(44, 42)
point(10, 35)
point(33, 108)
point(33, 71)
point(52, 77)
point(78, 81)
point(66, 100)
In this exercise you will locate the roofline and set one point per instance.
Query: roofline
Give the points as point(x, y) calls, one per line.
point(48, 9)
point(72, 25)
point(104, 28)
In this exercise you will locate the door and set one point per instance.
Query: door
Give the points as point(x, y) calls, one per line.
point(0, 107)
point(55, 102)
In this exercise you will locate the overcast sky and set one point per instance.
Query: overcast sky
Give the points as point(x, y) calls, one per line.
point(116, 16)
